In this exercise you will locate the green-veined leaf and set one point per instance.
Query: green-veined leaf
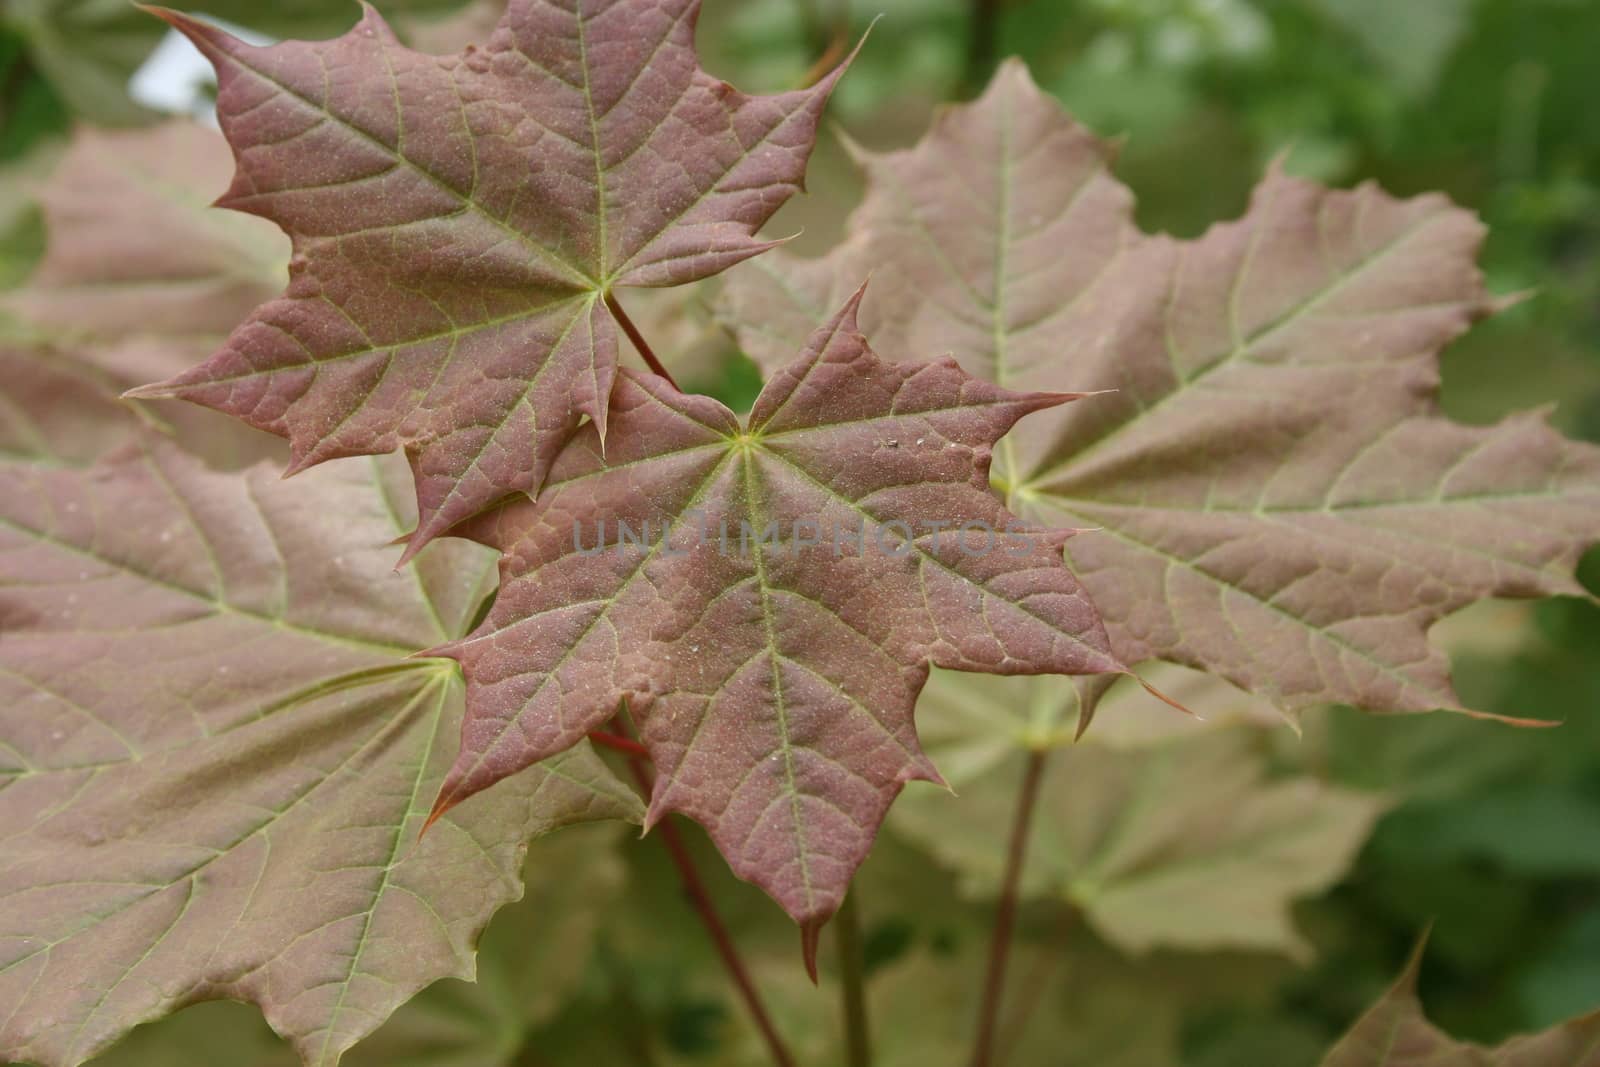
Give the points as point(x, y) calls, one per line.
point(1274, 495)
point(803, 571)
point(460, 224)
point(216, 754)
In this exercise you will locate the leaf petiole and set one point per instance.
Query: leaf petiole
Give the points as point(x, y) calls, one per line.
point(619, 744)
point(1006, 911)
point(639, 343)
point(694, 888)
point(852, 971)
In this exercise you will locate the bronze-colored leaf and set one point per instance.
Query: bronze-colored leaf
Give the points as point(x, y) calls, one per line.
point(1274, 494)
point(461, 226)
point(803, 571)
point(216, 752)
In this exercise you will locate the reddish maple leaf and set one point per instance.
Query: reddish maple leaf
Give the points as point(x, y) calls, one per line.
point(773, 683)
point(460, 225)
point(1275, 495)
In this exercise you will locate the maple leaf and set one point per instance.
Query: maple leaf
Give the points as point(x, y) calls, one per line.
point(1131, 1014)
point(973, 724)
point(1186, 843)
point(461, 224)
point(1395, 1033)
point(139, 274)
point(216, 750)
point(140, 278)
point(773, 683)
point(1275, 496)
point(531, 961)
point(55, 410)
point(528, 967)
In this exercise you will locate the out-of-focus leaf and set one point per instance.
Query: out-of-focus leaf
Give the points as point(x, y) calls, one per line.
point(1281, 1042)
point(1186, 844)
point(314, 19)
point(440, 36)
point(212, 1032)
point(530, 961)
point(1395, 1033)
point(971, 723)
point(31, 113)
point(139, 277)
point(22, 233)
point(1410, 41)
point(55, 410)
point(216, 752)
point(1535, 829)
point(1072, 1002)
point(88, 49)
point(21, 238)
point(139, 272)
point(1086, 1010)
point(771, 656)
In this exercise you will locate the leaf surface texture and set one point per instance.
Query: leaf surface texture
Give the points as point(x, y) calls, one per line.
point(216, 754)
point(1275, 496)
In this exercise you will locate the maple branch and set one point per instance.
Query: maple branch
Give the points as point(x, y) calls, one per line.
point(1006, 911)
point(639, 343)
point(695, 888)
point(852, 970)
point(1016, 1021)
point(983, 37)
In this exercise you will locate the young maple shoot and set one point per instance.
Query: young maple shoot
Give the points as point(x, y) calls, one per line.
point(227, 722)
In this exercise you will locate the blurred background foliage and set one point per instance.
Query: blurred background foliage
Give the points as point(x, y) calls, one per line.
point(1493, 835)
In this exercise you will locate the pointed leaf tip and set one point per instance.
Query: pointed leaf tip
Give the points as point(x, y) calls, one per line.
point(1169, 701)
point(829, 80)
point(1509, 720)
point(412, 546)
point(438, 812)
point(198, 30)
point(1395, 1030)
point(155, 391)
point(810, 940)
